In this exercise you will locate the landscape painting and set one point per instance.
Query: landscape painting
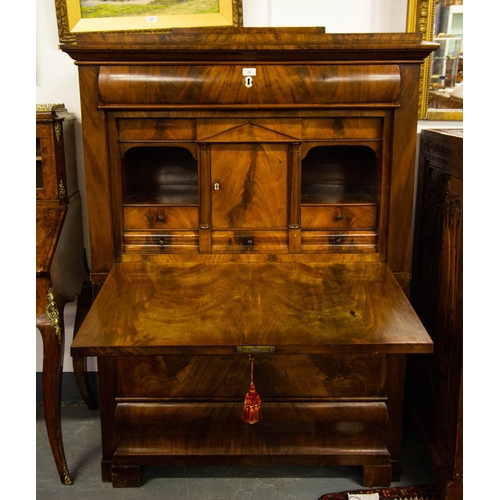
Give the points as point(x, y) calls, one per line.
point(122, 8)
point(91, 16)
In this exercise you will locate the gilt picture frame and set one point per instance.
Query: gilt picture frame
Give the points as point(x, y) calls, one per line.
point(70, 20)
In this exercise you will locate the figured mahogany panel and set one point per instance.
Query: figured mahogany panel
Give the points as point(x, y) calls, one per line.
point(213, 308)
point(158, 129)
point(249, 130)
point(249, 186)
point(272, 84)
point(335, 377)
point(341, 128)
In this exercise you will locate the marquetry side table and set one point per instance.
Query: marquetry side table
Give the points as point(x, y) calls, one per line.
point(60, 263)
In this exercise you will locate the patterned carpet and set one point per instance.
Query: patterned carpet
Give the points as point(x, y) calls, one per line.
point(427, 492)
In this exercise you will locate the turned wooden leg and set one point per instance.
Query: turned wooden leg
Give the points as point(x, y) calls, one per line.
point(80, 362)
point(53, 347)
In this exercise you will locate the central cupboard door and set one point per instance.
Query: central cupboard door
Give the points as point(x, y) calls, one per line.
point(249, 186)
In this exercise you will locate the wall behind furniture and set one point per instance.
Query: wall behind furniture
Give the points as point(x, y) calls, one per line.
point(57, 75)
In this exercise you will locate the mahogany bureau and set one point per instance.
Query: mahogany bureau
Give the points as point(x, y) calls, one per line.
point(250, 196)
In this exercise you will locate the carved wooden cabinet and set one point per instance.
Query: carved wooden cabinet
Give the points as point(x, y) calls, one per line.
point(60, 269)
point(250, 193)
point(435, 382)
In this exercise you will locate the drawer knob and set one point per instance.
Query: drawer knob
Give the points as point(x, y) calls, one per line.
point(338, 240)
point(162, 241)
point(338, 216)
point(161, 218)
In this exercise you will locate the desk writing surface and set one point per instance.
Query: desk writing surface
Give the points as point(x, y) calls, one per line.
point(211, 308)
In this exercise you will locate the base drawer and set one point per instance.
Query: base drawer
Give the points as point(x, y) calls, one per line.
point(158, 433)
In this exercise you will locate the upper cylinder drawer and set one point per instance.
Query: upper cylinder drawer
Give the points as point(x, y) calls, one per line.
point(293, 85)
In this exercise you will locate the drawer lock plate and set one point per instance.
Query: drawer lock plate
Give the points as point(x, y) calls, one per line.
point(255, 349)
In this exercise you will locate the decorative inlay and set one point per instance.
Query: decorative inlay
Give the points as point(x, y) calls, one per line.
point(62, 189)
point(58, 131)
point(52, 314)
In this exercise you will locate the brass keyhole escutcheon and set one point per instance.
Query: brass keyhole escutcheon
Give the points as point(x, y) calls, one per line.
point(216, 186)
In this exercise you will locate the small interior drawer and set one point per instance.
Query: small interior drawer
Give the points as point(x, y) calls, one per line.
point(341, 128)
point(155, 129)
point(160, 217)
point(249, 241)
point(339, 216)
point(160, 242)
point(339, 241)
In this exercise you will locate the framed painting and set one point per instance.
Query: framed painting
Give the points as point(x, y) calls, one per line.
point(81, 16)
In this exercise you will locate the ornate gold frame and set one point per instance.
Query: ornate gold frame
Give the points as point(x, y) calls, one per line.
point(420, 19)
point(70, 22)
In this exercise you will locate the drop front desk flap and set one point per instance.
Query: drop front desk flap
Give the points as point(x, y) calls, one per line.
point(250, 190)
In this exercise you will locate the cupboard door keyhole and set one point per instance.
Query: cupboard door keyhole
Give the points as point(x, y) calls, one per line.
point(216, 186)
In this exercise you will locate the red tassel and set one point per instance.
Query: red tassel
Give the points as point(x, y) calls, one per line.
point(252, 412)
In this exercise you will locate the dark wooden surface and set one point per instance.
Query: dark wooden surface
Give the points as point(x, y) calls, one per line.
point(435, 383)
point(226, 212)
